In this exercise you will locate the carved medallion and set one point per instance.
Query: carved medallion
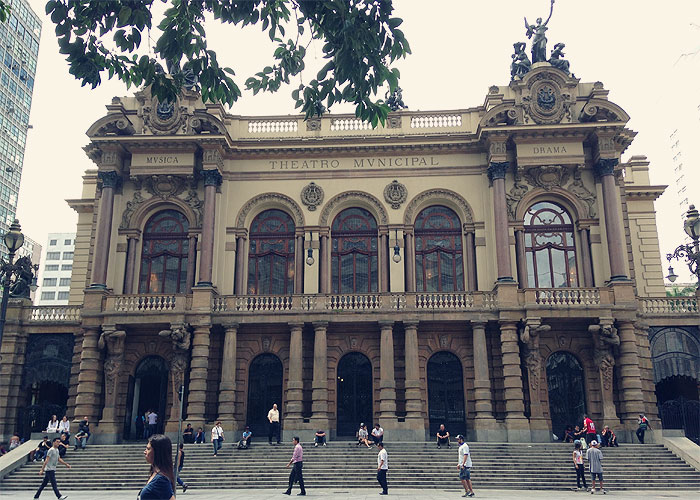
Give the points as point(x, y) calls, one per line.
point(444, 341)
point(266, 342)
point(545, 102)
point(395, 194)
point(548, 176)
point(164, 118)
point(165, 186)
point(353, 342)
point(312, 196)
point(313, 124)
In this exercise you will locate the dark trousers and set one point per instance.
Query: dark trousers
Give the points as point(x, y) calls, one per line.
point(444, 440)
point(604, 440)
point(274, 431)
point(320, 439)
point(381, 477)
point(591, 436)
point(152, 429)
point(49, 475)
point(580, 475)
point(377, 439)
point(296, 475)
point(640, 435)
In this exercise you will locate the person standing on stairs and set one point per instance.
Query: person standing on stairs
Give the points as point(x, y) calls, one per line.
point(48, 470)
point(465, 466)
point(643, 426)
point(595, 463)
point(217, 437)
point(297, 463)
point(273, 416)
point(589, 429)
point(577, 457)
point(382, 468)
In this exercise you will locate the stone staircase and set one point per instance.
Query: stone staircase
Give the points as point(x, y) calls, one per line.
point(344, 465)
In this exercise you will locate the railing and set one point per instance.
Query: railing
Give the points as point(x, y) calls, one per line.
point(55, 313)
point(670, 305)
point(144, 303)
point(338, 124)
point(353, 302)
point(444, 301)
point(271, 126)
point(567, 297)
point(436, 121)
point(271, 303)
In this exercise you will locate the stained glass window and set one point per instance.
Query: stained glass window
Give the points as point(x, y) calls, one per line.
point(271, 254)
point(164, 254)
point(439, 266)
point(354, 261)
point(550, 252)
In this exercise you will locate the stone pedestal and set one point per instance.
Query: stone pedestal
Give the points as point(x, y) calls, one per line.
point(12, 355)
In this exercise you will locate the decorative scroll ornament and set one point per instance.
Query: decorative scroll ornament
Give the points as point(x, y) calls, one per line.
point(582, 193)
point(196, 205)
point(395, 194)
point(165, 186)
point(131, 207)
point(515, 195)
point(497, 170)
point(312, 196)
point(548, 176)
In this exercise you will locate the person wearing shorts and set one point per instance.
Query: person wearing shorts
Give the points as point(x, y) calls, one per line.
point(464, 465)
point(595, 464)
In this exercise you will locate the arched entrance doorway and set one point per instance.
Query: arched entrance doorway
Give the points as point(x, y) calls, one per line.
point(567, 396)
point(354, 383)
point(264, 389)
point(148, 390)
point(446, 393)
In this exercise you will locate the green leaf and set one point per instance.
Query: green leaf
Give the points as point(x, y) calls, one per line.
point(124, 15)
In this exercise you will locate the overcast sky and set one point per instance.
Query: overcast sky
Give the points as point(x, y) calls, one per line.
point(460, 48)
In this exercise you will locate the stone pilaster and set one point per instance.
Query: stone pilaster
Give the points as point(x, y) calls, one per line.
point(517, 426)
point(530, 336)
point(110, 180)
point(240, 286)
point(630, 375)
point(324, 263)
point(112, 341)
point(90, 378)
point(484, 421)
point(387, 382)
point(199, 367)
point(410, 261)
point(470, 254)
point(293, 418)
point(414, 400)
point(497, 175)
point(212, 179)
point(319, 384)
point(227, 385)
point(605, 169)
point(130, 273)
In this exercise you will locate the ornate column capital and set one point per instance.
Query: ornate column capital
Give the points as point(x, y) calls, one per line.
point(411, 323)
point(605, 166)
point(320, 325)
point(231, 326)
point(109, 178)
point(497, 170)
point(298, 326)
point(386, 324)
point(212, 177)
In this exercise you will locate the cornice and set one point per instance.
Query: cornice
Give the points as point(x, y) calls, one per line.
point(82, 205)
point(645, 193)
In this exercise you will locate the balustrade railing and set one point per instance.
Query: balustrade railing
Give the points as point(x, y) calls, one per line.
point(55, 314)
point(567, 297)
point(144, 303)
point(436, 121)
point(338, 124)
point(272, 126)
point(262, 303)
point(444, 301)
point(670, 305)
point(353, 302)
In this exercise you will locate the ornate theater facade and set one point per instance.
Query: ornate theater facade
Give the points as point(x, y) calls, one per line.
point(495, 269)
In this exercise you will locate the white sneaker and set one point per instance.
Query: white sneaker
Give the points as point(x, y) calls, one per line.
point(63, 497)
point(324, 444)
point(315, 445)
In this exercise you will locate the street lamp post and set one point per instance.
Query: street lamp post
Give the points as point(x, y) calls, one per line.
point(23, 272)
point(691, 251)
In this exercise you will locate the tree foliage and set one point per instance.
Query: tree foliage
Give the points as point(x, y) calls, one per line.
point(360, 39)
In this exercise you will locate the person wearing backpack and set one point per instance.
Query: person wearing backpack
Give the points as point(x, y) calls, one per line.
point(643, 425)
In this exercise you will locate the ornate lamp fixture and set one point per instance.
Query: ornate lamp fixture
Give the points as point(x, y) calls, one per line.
point(309, 252)
point(689, 252)
point(397, 252)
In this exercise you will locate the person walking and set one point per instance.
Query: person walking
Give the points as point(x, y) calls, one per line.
point(180, 465)
point(297, 463)
point(595, 464)
point(48, 470)
point(465, 466)
point(382, 468)
point(273, 416)
point(217, 437)
point(577, 457)
point(152, 423)
point(161, 483)
point(642, 427)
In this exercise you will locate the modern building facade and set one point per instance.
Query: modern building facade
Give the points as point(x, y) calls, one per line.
point(56, 271)
point(19, 49)
point(495, 268)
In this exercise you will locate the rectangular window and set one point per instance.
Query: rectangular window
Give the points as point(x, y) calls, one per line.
point(66, 242)
point(49, 282)
point(53, 242)
point(51, 267)
point(48, 295)
point(53, 255)
point(64, 282)
point(63, 295)
point(67, 255)
point(66, 267)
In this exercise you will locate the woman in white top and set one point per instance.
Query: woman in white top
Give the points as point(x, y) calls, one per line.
point(362, 436)
point(577, 457)
point(64, 426)
point(217, 437)
point(53, 424)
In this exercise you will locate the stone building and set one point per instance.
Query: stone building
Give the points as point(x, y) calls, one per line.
point(494, 268)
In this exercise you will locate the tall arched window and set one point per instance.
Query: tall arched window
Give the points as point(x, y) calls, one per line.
point(271, 255)
point(439, 261)
point(550, 252)
point(164, 254)
point(354, 262)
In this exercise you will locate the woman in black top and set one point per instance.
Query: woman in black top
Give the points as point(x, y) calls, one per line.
point(63, 445)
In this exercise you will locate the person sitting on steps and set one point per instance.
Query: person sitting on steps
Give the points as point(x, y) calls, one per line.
point(443, 437)
point(363, 436)
point(320, 438)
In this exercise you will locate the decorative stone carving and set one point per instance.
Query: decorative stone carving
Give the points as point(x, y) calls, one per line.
point(109, 178)
point(498, 148)
point(163, 118)
point(212, 177)
point(266, 343)
point(548, 176)
point(113, 341)
point(212, 157)
point(179, 334)
point(178, 366)
point(497, 170)
point(544, 102)
point(529, 332)
point(379, 209)
point(557, 58)
point(521, 63)
point(131, 207)
point(438, 194)
point(110, 158)
point(444, 341)
point(394, 122)
point(353, 342)
point(582, 193)
point(312, 196)
point(313, 124)
point(515, 194)
point(605, 166)
point(395, 99)
point(165, 186)
point(205, 124)
point(605, 340)
point(395, 194)
point(116, 126)
point(196, 205)
point(276, 198)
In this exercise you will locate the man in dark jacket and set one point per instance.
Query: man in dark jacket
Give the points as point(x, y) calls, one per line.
point(83, 434)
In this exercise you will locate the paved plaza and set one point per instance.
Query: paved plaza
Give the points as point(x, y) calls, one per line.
point(364, 494)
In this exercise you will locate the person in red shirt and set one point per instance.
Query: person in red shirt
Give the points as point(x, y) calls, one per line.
point(589, 428)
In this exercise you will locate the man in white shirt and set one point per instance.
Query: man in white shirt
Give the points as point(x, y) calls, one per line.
point(152, 423)
point(465, 465)
point(273, 416)
point(217, 437)
point(377, 434)
point(382, 468)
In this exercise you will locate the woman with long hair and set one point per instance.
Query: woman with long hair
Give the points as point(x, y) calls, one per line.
point(161, 483)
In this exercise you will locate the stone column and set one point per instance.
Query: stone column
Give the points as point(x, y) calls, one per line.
point(132, 240)
point(212, 179)
point(110, 180)
point(414, 400)
point(191, 261)
point(584, 233)
point(497, 175)
point(90, 378)
point(605, 168)
point(630, 375)
point(295, 385)
point(387, 381)
point(199, 366)
point(384, 263)
point(324, 264)
point(12, 357)
point(299, 263)
point(112, 341)
point(521, 264)
point(227, 385)
point(240, 284)
point(517, 426)
point(482, 381)
point(471, 261)
point(319, 384)
point(410, 261)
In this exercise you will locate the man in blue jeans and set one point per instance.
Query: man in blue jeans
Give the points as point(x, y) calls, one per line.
point(48, 470)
